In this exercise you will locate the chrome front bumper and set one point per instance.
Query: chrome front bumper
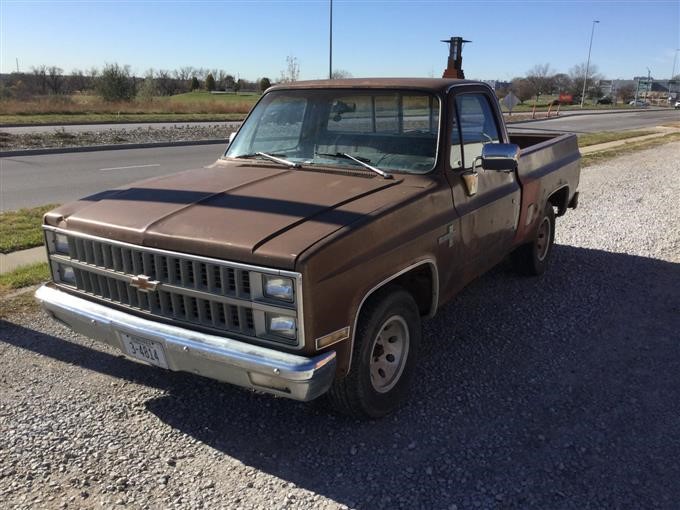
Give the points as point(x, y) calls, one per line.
point(224, 359)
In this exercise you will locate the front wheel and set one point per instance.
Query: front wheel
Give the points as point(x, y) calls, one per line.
point(383, 360)
point(532, 258)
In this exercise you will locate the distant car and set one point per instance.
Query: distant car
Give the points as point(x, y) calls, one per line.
point(604, 100)
point(677, 105)
point(638, 102)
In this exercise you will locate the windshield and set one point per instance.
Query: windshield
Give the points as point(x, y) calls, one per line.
point(389, 130)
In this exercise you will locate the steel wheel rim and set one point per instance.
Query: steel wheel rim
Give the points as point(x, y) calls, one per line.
point(389, 352)
point(543, 239)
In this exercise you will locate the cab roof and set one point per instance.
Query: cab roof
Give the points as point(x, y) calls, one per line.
point(434, 85)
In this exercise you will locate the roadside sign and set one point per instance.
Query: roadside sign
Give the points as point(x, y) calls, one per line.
point(510, 101)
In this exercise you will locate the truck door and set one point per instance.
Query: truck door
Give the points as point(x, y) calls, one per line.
point(489, 216)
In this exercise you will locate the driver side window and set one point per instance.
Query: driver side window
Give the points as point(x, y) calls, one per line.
point(477, 125)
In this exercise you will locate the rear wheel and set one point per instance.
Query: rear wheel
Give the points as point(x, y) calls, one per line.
point(383, 360)
point(532, 258)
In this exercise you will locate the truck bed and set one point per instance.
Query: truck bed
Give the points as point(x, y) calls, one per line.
point(548, 169)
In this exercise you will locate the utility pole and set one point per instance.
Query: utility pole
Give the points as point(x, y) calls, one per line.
point(585, 78)
point(675, 59)
point(330, 45)
point(18, 65)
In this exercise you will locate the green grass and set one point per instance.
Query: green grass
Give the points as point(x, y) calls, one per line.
point(202, 96)
point(81, 118)
point(24, 276)
point(22, 229)
point(599, 157)
point(586, 139)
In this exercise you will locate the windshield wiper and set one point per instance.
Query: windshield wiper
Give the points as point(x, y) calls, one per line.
point(270, 158)
point(362, 162)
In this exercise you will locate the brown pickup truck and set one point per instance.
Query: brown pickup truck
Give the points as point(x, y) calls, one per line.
point(302, 262)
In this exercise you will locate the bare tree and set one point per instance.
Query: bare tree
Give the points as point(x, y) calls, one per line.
point(184, 73)
point(578, 74)
point(292, 71)
point(562, 83)
point(40, 75)
point(522, 88)
point(165, 84)
point(540, 78)
point(229, 82)
point(626, 92)
point(77, 82)
point(340, 74)
point(55, 79)
point(148, 89)
point(221, 78)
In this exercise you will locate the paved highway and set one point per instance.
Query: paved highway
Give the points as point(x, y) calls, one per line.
point(36, 180)
point(58, 178)
point(600, 122)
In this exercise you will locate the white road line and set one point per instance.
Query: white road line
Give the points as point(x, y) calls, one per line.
point(127, 167)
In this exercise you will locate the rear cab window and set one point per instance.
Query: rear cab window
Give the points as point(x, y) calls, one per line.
point(394, 130)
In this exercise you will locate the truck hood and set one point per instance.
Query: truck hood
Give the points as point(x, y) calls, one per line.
point(232, 211)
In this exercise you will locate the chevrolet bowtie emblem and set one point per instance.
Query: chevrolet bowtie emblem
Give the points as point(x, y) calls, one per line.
point(143, 283)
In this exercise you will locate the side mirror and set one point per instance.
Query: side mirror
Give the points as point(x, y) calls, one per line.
point(500, 156)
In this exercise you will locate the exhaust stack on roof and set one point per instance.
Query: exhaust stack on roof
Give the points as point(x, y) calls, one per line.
point(455, 63)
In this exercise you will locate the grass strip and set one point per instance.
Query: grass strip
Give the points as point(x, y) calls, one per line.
point(586, 139)
point(24, 276)
point(22, 229)
point(599, 157)
point(107, 118)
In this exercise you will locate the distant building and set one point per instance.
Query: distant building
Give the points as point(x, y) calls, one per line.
point(498, 85)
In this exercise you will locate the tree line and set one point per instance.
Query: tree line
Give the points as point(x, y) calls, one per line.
point(115, 82)
point(541, 80)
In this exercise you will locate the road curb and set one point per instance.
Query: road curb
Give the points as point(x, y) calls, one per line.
point(113, 147)
point(593, 112)
point(16, 259)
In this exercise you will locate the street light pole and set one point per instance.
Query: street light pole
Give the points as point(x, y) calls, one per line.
point(330, 45)
point(590, 47)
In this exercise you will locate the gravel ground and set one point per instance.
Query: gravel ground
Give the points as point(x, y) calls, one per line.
point(61, 138)
point(557, 392)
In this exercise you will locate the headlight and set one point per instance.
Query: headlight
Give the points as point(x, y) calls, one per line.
point(282, 325)
point(67, 275)
point(278, 288)
point(61, 244)
point(57, 243)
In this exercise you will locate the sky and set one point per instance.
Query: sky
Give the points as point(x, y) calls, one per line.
point(252, 39)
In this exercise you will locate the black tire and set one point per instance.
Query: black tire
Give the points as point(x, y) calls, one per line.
point(358, 394)
point(531, 259)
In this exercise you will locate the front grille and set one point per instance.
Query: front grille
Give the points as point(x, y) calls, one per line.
point(214, 294)
point(175, 270)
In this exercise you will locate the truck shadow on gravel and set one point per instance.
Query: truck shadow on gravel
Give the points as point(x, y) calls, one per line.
point(555, 392)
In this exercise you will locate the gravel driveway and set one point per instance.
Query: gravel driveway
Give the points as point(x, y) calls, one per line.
point(557, 392)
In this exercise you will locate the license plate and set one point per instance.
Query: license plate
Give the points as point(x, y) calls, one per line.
point(145, 350)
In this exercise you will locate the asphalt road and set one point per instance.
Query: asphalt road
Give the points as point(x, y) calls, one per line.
point(576, 121)
point(30, 181)
point(36, 180)
point(600, 122)
point(558, 392)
